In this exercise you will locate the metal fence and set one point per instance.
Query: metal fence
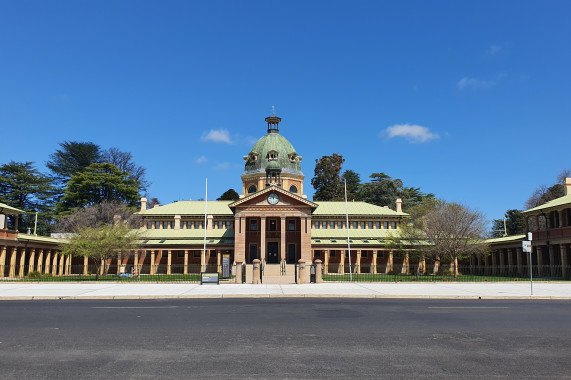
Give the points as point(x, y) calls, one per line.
point(334, 272)
point(465, 273)
point(152, 273)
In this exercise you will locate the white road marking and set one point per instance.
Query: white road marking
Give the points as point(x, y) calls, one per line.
point(134, 307)
point(468, 307)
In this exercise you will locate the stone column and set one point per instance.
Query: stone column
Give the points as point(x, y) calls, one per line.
point(326, 258)
point(48, 268)
point(405, 264)
point(169, 261)
point(256, 272)
point(374, 263)
point(119, 262)
point(302, 272)
point(564, 263)
point(282, 239)
point(238, 277)
point(539, 253)
point(318, 277)
point(67, 264)
point(510, 258)
point(494, 262)
point(519, 252)
point(13, 253)
point(40, 266)
point(219, 261)
point(153, 268)
point(141, 261)
point(60, 272)
point(2, 260)
point(342, 263)
point(552, 269)
point(263, 238)
point(185, 270)
point(54, 263)
point(389, 267)
point(305, 248)
point(358, 262)
point(22, 262)
point(32, 266)
point(85, 266)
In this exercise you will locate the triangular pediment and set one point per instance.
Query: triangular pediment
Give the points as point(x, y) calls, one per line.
point(263, 198)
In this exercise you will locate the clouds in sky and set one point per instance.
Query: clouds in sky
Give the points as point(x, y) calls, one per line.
point(201, 160)
point(474, 83)
point(494, 49)
point(411, 132)
point(217, 135)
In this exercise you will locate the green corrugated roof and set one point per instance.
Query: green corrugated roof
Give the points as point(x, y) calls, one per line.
point(564, 200)
point(354, 209)
point(506, 239)
point(187, 234)
point(9, 210)
point(187, 242)
point(216, 208)
point(353, 234)
point(40, 239)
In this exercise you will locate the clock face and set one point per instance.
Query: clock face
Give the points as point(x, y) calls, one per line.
point(273, 198)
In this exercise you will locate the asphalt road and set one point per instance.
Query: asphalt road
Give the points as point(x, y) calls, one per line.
point(282, 338)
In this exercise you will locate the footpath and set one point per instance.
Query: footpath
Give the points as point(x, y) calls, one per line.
point(442, 290)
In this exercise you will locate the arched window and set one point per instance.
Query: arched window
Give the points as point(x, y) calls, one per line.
point(293, 189)
point(252, 189)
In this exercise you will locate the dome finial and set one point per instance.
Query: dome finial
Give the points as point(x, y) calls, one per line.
point(273, 122)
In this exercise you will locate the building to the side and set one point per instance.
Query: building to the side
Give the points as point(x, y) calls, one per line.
point(550, 227)
point(23, 253)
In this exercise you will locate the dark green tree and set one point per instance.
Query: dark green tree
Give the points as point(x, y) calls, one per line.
point(229, 195)
point(24, 187)
point(99, 182)
point(383, 190)
point(327, 180)
point(353, 182)
point(515, 224)
point(72, 157)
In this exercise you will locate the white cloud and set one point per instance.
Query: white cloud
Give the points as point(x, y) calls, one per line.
point(494, 49)
point(217, 135)
point(413, 133)
point(474, 83)
point(201, 159)
point(222, 166)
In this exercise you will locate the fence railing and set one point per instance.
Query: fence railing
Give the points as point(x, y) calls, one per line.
point(65, 273)
point(430, 273)
point(332, 272)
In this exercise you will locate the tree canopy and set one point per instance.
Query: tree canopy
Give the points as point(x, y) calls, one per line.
point(544, 194)
point(515, 224)
point(72, 157)
point(327, 181)
point(229, 195)
point(24, 187)
point(97, 183)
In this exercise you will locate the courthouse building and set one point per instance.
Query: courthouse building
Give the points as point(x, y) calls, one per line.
point(273, 221)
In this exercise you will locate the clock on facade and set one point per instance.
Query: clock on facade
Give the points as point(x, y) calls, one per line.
point(273, 198)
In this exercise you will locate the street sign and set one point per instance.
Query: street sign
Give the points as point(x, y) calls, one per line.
point(526, 245)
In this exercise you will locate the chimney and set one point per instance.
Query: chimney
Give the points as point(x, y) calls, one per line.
point(399, 205)
point(567, 186)
point(177, 222)
point(143, 204)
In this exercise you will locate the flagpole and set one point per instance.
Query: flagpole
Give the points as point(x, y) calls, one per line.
point(205, 225)
point(348, 239)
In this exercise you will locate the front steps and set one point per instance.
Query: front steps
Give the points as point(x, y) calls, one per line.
point(273, 274)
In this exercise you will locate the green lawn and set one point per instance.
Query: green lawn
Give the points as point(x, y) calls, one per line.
point(195, 277)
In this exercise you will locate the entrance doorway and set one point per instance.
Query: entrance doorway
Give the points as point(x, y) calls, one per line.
point(291, 254)
point(272, 253)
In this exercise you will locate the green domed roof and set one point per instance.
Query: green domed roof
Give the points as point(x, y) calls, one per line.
point(263, 155)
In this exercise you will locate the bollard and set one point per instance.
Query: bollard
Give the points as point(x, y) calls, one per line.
point(256, 272)
point(318, 277)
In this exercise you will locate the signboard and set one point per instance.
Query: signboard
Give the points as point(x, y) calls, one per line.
point(526, 245)
point(209, 278)
point(226, 266)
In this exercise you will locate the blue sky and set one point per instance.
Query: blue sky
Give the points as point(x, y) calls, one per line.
point(469, 100)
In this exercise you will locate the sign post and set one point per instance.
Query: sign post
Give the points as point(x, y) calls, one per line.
point(526, 247)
